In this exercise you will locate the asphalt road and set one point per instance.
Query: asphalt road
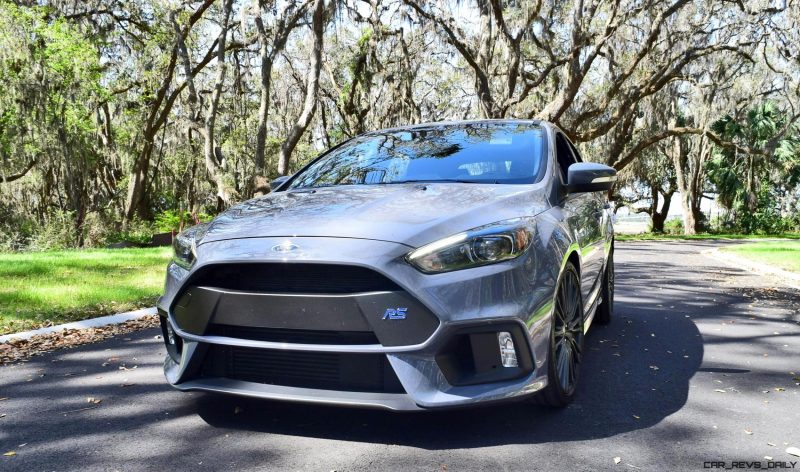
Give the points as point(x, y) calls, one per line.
point(694, 368)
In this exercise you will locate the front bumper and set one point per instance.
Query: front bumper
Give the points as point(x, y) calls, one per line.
point(415, 351)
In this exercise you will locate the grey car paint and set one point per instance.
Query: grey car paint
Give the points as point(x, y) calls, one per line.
point(375, 226)
point(409, 214)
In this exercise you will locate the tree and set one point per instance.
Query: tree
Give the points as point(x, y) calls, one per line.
point(118, 111)
point(311, 92)
point(212, 153)
point(650, 180)
point(51, 79)
point(272, 41)
point(750, 184)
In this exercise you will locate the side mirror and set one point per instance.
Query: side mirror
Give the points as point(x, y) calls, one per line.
point(590, 177)
point(278, 182)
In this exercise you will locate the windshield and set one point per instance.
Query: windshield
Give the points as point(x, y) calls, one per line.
point(496, 153)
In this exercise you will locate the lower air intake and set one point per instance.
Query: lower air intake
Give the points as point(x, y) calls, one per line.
point(318, 370)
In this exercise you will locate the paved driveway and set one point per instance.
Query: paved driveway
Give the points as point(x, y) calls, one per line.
point(694, 368)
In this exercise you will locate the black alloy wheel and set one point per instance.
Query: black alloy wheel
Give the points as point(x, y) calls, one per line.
point(566, 341)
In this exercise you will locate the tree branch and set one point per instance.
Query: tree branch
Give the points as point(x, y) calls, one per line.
point(10, 178)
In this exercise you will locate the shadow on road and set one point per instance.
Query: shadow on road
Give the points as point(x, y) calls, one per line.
point(635, 374)
point(635, 379)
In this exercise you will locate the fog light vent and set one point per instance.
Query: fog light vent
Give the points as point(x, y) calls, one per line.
point(508, 355)
point(173, 342)
point(170, 334)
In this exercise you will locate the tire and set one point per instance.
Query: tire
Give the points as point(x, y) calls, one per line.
point(605, 310)
point(566, 341)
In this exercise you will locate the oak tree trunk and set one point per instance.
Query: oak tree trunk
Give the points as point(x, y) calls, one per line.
point(312, 90)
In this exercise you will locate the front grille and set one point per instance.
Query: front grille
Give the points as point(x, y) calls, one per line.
point(294, 336)
point(293, 278)
point(319, 370)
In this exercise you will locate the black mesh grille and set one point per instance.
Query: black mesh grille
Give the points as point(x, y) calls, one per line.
point(319, 370)
point(296, 336)
point(293, 278)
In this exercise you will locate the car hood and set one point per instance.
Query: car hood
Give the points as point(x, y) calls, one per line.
point(411, 214)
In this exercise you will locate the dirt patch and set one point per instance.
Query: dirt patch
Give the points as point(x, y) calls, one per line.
point(21, 349)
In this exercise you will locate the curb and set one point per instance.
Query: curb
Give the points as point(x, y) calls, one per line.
point(84, 324)
point(789, 279)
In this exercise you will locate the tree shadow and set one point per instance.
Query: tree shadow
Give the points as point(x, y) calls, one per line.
point(635, 374)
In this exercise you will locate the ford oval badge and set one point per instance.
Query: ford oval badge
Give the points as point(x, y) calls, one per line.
point(285, 247)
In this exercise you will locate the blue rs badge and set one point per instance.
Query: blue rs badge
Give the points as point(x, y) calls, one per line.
point(395, 314)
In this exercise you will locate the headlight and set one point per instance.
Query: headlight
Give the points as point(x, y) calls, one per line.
point(488, 244)
point(185, 244)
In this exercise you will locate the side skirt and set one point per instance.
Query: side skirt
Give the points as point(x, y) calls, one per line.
point(592, 309)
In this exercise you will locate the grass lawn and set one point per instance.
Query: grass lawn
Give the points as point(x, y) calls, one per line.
point(658, 236)
point(39, 289)
point(785, 255)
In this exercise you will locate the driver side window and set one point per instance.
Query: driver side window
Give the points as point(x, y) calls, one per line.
point(564, 156)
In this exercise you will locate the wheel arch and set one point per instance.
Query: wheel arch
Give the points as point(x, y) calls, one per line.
point(575, 259)
point(571, 254)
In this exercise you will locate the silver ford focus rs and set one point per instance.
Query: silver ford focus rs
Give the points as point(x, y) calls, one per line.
point(430, 266)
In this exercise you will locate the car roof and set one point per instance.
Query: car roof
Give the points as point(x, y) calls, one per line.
point(456, 123)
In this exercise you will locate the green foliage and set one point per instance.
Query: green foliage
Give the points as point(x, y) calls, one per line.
point(27, 234)
point(51, 83)
point(766, 218)
point(760, 192)
point(58, 233)
point(303, 154)
point(170, 220)
point(337, 134)
point(137, 232)
point(673, 226)
point(51, 60)
point(85, 87)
